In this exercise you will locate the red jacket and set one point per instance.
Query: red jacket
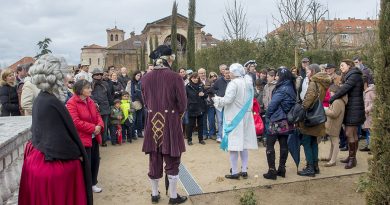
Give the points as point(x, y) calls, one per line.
point(85, 117)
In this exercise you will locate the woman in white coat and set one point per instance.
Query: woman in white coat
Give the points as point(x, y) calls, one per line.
point(239, 133)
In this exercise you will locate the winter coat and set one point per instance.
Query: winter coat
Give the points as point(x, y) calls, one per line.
point(353, 86)
point(134, 88)
point(9, 101)
point(123, 80)
point(126, 110)
point(323, 82)
point(117, 89)
point(267, 93)
point(102, 96)
point(115, 113)
point(237, 94)
point(219, 87)
point(29, 93)
point(335, 116)
point(369, 97)
point(85, 117)
point(283, 99)
point(196, 105)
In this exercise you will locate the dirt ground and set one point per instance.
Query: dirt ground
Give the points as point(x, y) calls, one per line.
point(123, 177)
point(338, 190)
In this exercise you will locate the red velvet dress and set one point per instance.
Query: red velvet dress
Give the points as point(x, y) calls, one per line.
point(59, 182)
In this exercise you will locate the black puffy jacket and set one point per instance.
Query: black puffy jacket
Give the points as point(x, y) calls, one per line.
point(196, 105)
point(353, 86)
point(102, 96)
point(9, 101)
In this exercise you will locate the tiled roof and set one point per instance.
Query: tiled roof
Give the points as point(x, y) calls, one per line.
point(93, 46)
point(131, 43)
point(22, 61)
point(208, 40)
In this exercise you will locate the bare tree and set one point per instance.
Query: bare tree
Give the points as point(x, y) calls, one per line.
point(235, 21)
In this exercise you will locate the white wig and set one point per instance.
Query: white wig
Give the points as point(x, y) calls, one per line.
point(237, 69)
point(47, 74)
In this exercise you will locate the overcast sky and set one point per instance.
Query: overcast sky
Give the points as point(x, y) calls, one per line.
point(72, 24)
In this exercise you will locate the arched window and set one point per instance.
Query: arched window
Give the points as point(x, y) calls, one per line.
point(116, 37)
point(112, 37)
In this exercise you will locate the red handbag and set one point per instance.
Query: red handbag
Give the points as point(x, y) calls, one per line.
point(257, 118)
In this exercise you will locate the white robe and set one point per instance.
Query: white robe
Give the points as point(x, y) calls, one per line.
point(236, 95)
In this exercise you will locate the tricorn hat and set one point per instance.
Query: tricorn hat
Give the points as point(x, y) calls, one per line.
point(162, 50)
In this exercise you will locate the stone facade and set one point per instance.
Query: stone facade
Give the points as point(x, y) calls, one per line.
point(14, 133)
point(95, 55)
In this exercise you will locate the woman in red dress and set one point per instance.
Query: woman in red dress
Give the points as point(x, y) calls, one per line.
point(55, 169)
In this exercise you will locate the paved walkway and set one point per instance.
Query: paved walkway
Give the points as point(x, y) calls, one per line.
point(123, 171)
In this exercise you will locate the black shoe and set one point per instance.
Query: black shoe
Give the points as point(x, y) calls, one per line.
point(113, 144)
point(316, 168)
point(281, 172)
point(190, 143)
point(155, 199)
point(365, 149)
point(134, 138)
point(130, 141)
point(202, 142)
point(232, 176)
point(178, 200)
point(244, 175)
point(308, 171)
point(343, 149)
point(140, 136)
point(104, 145)
point(271, 174)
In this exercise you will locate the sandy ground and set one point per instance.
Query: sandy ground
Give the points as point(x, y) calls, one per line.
point(123, 173)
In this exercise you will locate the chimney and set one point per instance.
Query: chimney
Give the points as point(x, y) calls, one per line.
point(349, 18)
point(132, 34)
point(322, 18)
point(335, 19)
point(368, 18)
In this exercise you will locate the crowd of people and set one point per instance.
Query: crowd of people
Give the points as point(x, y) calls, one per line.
point(96, 106)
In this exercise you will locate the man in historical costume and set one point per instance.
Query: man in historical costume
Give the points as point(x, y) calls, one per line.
point(165, 100)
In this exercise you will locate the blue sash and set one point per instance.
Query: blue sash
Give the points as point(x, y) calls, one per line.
point(228, 128)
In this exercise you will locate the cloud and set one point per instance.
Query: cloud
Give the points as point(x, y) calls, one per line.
point(71, 24)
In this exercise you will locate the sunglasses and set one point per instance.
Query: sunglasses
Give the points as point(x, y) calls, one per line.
point(70, 82)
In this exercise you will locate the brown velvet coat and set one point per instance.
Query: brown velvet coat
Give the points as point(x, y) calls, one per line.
point(165, 101)
point(323, 82)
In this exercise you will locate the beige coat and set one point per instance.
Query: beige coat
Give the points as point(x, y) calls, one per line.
point(29, 93)
point(267, 93)
point(335, 116)
point(369, 97)
point(323, 81)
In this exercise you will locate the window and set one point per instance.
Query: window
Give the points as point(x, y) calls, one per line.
point(358, 27)
point(116, 37)
point(348, 27)
point(98, 61)
point(369, 27)
point(90, 61)
point(344, 36)
point(112, 37)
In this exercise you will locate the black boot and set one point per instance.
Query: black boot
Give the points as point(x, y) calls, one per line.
point(316, 168)
point(233, 176)
point(178, 200)
point(308, 171)
point(155, 199)
point(271, 174)
point(281, 171)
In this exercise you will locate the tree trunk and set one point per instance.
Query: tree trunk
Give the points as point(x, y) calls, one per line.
point(174, 34)
point(191, 36)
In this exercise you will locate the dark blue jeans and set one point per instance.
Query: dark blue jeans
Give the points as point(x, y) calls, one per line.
point(310, 147)
point(343, 139)
point(105, 135)
point(137, 125)
point(210, 118)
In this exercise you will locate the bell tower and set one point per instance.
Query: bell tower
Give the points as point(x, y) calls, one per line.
point(114, 36)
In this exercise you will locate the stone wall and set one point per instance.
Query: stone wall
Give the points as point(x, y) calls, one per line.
point(14, 133)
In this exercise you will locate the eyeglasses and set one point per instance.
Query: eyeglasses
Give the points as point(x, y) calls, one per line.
point(305, 61)
point(356, 62)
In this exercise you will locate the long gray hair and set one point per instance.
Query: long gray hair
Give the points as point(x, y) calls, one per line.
point(47, 74)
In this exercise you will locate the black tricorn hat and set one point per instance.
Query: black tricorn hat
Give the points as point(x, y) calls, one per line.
point(162, 50)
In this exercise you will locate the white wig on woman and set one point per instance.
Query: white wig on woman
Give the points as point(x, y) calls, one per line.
point(237, 70)
point(47, 74)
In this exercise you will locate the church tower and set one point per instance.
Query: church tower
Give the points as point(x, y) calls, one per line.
point(114, 36)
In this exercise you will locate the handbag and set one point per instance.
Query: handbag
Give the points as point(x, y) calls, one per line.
point(296, 114)
point(137, 105)
point(316, 114)
point(281, 127)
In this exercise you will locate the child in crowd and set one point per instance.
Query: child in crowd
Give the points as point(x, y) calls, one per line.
point(115, 118)
point(369, 97)
point(335, 116)
point(127, 121)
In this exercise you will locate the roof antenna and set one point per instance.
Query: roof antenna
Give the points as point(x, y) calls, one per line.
point(115, 22)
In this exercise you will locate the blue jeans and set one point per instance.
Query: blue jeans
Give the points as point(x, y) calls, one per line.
point(368, 135)
point(310, 147)
point(210, 117)
point(137, 125)
point(220, 128)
